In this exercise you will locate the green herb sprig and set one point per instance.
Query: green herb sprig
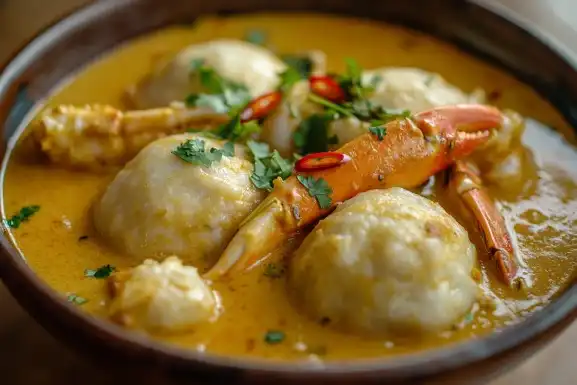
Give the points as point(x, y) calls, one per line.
point(312, 134)
point(101, 272)
point(318, 189)
point(273, 337)
point(220, 94)
point(76, 299)
point(193, 151)
point(22, 216)
point(267, 166)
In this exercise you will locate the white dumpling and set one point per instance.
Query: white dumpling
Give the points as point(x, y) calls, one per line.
point(415, 89)
point(241, 62)
point(165, 297)
point(404, 88)
point(161, 205)
point(386, 261)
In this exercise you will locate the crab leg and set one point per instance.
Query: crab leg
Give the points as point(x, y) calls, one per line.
point(498, 240)
point(95, 136)
point(406, 155)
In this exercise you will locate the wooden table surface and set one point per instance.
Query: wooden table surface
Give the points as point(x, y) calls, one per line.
point(28, 355)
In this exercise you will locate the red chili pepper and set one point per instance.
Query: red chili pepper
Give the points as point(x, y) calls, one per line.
point(321, 161)
point(260, 107)
point(328, 88)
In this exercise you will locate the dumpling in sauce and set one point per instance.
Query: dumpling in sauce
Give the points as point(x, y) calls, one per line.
point(166, 297)
point(386, 261)
point(240, 62)
point(404, 88)
point(415, 89)
point(161, 205)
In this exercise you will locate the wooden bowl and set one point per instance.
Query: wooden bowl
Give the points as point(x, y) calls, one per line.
point(75, 40)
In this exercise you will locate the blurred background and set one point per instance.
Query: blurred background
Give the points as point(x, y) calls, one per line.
point(28, 355)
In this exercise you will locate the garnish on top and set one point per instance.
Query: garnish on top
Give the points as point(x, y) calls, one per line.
point(267, 166)
point(76, 299)
point(22, 216)
point(101, 272)
point(318, 189)
point(341, 96)
point(220, 94)
point(194, 151)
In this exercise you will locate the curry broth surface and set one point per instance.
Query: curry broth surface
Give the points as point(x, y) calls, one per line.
point(55, 245)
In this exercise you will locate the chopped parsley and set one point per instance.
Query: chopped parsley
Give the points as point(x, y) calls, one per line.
point(273, 337)
point(194, 151)
point(220, 94)
point(215, 102)
point(379, 132)
point(312, 134)
point(102, 272)
point(469, 318)
point(318, 189)
point(267, 166)
point(23, 216)
point(76, 299)
point(351, 81)
point(274, 270)
point(302, 64)
point(357, 102)
point(235, 130)
point(289, 78)
point(336, 110)
point(256, 36)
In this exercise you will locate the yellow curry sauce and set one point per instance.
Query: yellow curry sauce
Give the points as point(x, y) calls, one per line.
point(59, 242)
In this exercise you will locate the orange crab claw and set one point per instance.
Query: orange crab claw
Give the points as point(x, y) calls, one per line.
point(403, 153)
point(498, 240)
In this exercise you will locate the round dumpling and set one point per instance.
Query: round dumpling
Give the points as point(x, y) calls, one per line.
point(415, 89)
point(386, 261)
point(161, 205)
point(166, 296)
point(240, 62)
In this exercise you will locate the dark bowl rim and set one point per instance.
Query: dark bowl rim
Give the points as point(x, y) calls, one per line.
point(439, 359)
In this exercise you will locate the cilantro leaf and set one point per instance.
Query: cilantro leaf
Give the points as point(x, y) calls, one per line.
point(379, 132)
point(195, 64)
point(220, 94)
point(274, 337)
point(102, 272)
point(302, 64)
point(312, 134)
point(193, 151)
point(215, 102)
point(283, 166)
point(228, 149)
point(76, 299)
point(267, 166)
point(22, 216)
point(318, 189)
point(289, 78)
point(354, 70)
point(351, 81)
point(256, 36)
point(259, 150)
point(235, 130)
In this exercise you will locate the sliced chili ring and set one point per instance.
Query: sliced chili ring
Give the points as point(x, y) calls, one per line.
point(321, 161)
point(328, 88)
point(260, 107)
